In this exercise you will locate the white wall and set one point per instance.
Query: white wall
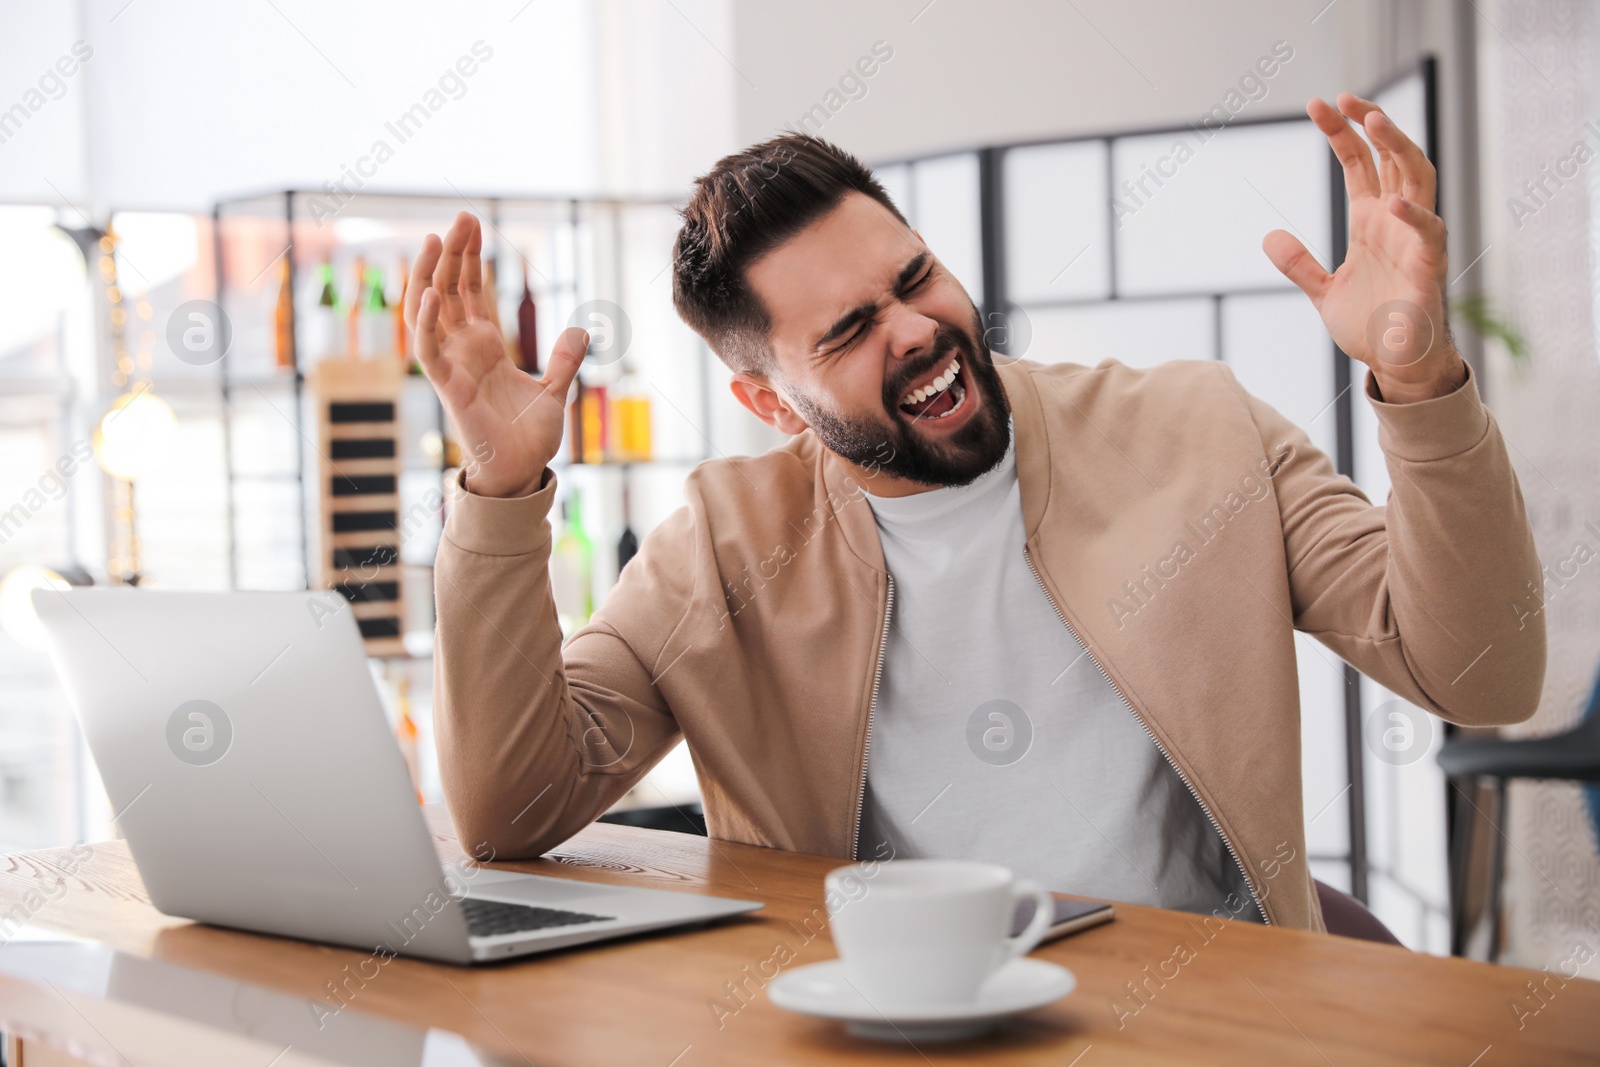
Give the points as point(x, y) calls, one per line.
point(42, 145)
point(667, 92)
point(1023, 70)
point(189, 101)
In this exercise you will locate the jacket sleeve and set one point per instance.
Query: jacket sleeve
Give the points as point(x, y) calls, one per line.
point(1437, 595)
point(535, 740)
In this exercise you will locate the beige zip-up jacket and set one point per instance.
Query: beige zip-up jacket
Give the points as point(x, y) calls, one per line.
point(1182, 528)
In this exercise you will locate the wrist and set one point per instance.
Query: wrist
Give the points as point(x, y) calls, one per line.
point(479, 486)
point(1449, 373)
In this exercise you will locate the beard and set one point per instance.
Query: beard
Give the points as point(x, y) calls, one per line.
point(893, 445)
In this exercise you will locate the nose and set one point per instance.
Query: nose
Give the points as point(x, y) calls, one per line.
point(910, 333)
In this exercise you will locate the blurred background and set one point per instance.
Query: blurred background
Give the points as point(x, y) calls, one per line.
point(206, 212)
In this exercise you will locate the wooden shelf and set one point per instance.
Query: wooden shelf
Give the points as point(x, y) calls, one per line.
point(358, 499)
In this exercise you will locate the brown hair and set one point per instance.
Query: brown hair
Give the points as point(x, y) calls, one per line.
point(744, 207)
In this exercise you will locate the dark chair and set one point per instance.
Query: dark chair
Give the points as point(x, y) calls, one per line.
point(1570, 756)
point(684, 819)
point(1342, 913)
point(1345, 916)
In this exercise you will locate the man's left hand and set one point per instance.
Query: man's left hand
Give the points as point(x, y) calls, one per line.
point(1385, 305)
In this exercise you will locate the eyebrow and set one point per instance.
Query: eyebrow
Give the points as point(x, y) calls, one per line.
point(851, 318)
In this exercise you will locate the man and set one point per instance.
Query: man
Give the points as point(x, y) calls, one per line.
point(1055, 603)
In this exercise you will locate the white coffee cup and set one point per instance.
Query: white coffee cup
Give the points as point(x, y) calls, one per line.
point(929, 931)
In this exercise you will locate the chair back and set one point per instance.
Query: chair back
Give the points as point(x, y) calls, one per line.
point(1588, 735)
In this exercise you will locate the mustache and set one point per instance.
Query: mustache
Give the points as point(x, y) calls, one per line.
point(946, 343)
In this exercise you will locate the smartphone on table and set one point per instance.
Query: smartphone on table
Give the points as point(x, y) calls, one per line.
point(1071, 916)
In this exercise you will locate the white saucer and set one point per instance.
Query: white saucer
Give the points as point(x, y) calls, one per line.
point(822, 990)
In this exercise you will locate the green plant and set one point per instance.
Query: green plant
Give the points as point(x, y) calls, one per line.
point(1479, 315)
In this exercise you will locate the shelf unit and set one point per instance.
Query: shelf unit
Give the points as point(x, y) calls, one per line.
point(358, 494)
point(577, 249)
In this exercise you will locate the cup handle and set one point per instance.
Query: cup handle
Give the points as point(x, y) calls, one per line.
point(1043, 913)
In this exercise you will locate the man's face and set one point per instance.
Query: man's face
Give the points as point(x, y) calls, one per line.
point(879, 351)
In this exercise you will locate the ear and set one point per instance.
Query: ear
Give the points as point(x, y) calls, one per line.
point(764, 401)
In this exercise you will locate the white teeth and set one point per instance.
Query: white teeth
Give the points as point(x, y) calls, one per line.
point(959, 395)
point(938, 385)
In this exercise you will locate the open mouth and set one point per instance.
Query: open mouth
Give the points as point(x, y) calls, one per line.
point(939, 398)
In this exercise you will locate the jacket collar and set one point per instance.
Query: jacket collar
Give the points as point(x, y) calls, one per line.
point(840, 491)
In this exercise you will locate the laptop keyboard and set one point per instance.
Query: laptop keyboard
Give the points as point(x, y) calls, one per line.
point(486, 918)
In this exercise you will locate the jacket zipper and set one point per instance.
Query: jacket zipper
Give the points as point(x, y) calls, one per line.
point(1184, 778)
point(866, 745)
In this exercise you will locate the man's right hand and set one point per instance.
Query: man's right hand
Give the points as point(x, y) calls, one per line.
point(510, 424)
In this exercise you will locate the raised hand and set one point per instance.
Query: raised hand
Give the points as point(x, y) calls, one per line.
point(510, 423)
point(1385, 305)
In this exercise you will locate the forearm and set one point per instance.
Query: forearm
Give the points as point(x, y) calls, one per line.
point(499, 687)
point(1465, 582)
point(535, 739)
point(1430, 596)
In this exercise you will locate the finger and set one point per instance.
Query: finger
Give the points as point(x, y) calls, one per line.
point(427, 336)
point(1419, 218)
point(1296, 264)
point(565, 359)
point(1356, 110)
point(447, 276)
point(1419, 181)
point(1360, 174)
point(1389, 179)
point(1414, 175)
point(472, 275)
point(421, 274)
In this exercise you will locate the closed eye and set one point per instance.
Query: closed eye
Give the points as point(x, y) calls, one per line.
point(859, 335)
point(920, 283)
point(865, 328)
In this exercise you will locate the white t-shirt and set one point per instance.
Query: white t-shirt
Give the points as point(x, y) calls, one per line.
point(996, 737)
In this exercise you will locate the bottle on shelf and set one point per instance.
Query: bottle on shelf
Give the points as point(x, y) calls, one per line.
point(630, 419)
point(527, 327)
point(628, 542)
point(352, 335)
point(575, 413)
point(406, 734)
point(377, 325)
point(572, 568)
point(283, 320)
point(491, 293)
point(402, 338)
point(596, 417)
point(324, 331)
point(491, 299)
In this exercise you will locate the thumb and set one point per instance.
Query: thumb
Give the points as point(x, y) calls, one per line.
point(1296, 264)
point(565, 358)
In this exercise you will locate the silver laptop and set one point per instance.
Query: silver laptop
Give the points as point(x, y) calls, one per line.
point(254, 774)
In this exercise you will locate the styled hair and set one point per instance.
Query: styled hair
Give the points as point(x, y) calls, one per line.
point(744, 207)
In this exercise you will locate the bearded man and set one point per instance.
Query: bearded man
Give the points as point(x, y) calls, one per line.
point(975, 607)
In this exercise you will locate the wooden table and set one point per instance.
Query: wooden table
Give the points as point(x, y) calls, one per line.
point(1244, 994)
